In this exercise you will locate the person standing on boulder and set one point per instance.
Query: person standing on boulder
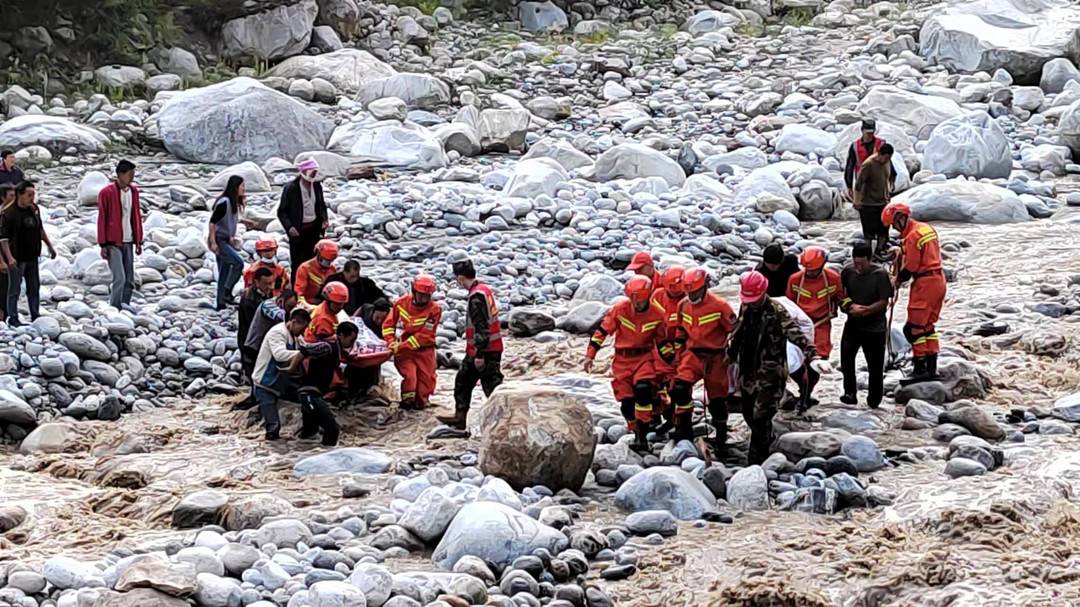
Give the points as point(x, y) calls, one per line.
point(223, 223)
point(638, 328)
point(868, 290)
point(9, 173)
point(7, 200)
point(120, 232)
point(409, 330)
point(21, 235)
point(759, 346)
point(705, 323)
point(818, 292)
point(302, 214)
point(873, 188)
point(777, 266)
point(920, 259)
point(483, 345)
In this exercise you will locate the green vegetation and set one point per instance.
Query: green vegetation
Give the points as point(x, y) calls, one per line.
point(668, 31)
point(424, 6)
point(597, 37)
point(798, 17)
point(750, 30)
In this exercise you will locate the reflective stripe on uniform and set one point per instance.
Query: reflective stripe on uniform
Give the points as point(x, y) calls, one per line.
point(649, 326)
point(624, 321)
point(415, 343)
point(641, 407)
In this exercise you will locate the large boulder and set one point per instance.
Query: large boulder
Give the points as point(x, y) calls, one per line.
point(766, 190)
point(535, 435)
point(280, 32)
point(15, 410)
point(53, 437)
point(542, 17)
point(50, 132)
point(534, 177)
point(708, 21)
point(348, 460)
point(1068, 126)
point(255, 180)
point(347, 69)
point(916, 114)
point(666, 488)
point(560, 151)
point(503, 130)
point(799, 445)
point(748, 489)
point(805, 140)
point(598, 287)
point(237, 120)
point(417, 90)
point(1056, 73)
point(178, 61)
point(967, 201)
point(395, 144)
point(496, 533)
point(634, 161)
point(972, 145)
point(1018, 36)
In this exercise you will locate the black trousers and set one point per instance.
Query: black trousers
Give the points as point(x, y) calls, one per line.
point(302, 248)
point(872, 344)
point(318, 416)
point(489, 377)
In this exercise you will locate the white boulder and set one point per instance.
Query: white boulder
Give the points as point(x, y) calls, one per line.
point(280, 32)
point(967, 201)
point(401, 145)
point(634, 161)
point(50, 132)
point(533, 177)
point(971, 145)
point(416, 90)
point(805, 140)
point(347, 69)
point(916, 114)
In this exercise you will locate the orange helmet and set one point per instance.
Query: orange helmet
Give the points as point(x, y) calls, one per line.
point(336, 292)
point(672, 280)
point(813, 258)
point(891, 210)
point(326, 249)
point(695, 279)
point(638, 289)
point(424, 284)
point(262, 246)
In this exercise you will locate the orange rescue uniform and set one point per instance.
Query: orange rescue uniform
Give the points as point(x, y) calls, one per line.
point(706, 327)
point(310, 279)
point(819, 297)
point(413, 328)
point(281, 275)
point(323, 324)
point(667, 358)
point(637, 335)
point(921, 255)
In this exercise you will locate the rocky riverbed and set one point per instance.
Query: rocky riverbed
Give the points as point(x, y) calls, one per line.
point(549, 150)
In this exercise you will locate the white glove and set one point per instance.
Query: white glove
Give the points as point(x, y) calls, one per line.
point(822, 366)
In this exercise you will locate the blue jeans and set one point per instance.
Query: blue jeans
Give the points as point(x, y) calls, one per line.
point(27, 270)
point(122, 265)
point(230, 269)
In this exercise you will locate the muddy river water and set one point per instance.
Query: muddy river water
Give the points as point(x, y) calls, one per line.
point(1011, 537)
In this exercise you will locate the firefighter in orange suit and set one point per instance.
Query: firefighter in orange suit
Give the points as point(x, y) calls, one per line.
point(642, 264)
point(483, 344)
point(919, 259)
point(666, 299)
point(266, 257)
point(409, 329)
point(818, 291)
point(325, 318)
point(312, 274)
point(638, 329)
point(706, 321)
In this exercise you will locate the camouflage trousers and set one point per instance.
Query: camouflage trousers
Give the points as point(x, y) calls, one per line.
point(759, 404)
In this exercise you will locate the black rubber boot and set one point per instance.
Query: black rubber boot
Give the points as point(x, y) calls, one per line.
point(719, 442)
point(931, 367)
point(641, 444)
point(684, 427)
point(918, 373)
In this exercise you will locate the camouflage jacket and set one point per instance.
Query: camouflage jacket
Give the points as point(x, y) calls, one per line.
point(776, 329)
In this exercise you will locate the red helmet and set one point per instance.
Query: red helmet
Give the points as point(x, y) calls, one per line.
point(893, 209)
point(695, 279)
point(672, 280)
point(326, 249)
point(752, 287)
point(424, 284)
point(336, 292)
point(262, 246)
point(813, 258)
point(638, 289)
point(640, 260)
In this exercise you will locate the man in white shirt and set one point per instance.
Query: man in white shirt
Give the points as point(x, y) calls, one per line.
point(278, 361)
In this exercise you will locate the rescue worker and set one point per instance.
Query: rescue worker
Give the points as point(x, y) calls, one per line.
point(409, 330)
point(313, 273)
point(266, 257)
point(483, 345)
point(818, 291)
point(759, 346)
point(705, 322)
point(667, 299)
point(919, 259)
point(327, 315)
point(638, 329)
point(642, 264)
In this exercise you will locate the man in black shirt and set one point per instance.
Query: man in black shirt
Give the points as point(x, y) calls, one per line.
point(869, 289)
point(362, 290)
point(21, 235)
point(778, 267)
point(9, 173)
point(261, 290)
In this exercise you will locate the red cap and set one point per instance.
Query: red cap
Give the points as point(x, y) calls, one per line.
point(752, 287)
point(640, 260)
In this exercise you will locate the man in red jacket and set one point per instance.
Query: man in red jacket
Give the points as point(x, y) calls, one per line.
point(120, 232)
